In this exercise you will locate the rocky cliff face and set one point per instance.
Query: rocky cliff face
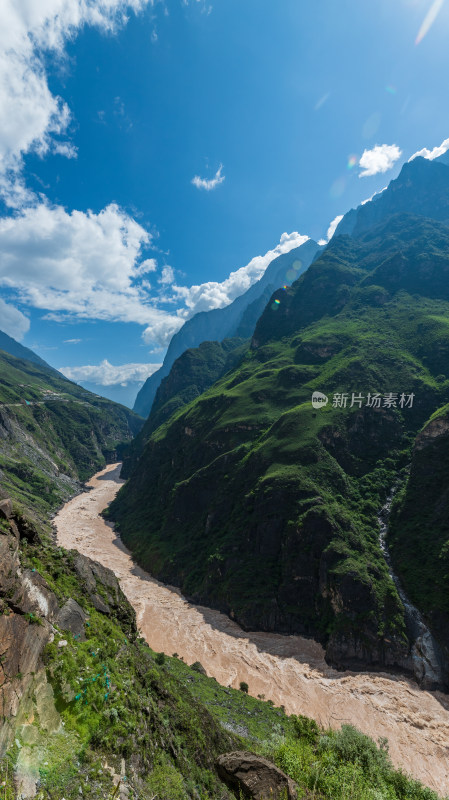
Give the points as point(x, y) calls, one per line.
point(31, 616)
point(419, 531)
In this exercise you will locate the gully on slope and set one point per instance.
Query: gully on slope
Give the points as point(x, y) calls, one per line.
point(427, 657)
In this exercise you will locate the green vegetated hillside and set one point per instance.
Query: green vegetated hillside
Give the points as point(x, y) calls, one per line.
point(236, 319)
point(191, 374)
point(253, 501)
point(53, 433)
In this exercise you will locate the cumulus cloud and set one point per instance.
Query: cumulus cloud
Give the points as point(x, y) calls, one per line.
point(106, 374)
point(333, 227)
point(12, 321)
point(161, 331)
point(209, 185)
point(432, 154)
point(80, 264)
point(33, 119)
point(380, 159)
point(214, 294)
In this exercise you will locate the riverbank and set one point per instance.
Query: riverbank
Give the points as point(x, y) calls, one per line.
point(289, 670)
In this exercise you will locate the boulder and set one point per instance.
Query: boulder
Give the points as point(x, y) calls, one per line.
point(72, 618)
point(255, 777)
point(6, 511)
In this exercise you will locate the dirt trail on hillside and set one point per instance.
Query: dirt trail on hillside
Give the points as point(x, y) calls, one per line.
point(289, 670)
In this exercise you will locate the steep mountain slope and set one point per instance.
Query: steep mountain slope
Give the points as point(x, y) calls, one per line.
point(255, 502)
point(190, 376)
point(230, 321)
point(419, 531)
point(9, 345)
point(53, 433)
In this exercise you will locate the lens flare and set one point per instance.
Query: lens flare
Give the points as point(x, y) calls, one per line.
point(429, 19)
point(291, 275)
point(391, 89)
point(277, 302)
point(337, 188)
point(352, 161)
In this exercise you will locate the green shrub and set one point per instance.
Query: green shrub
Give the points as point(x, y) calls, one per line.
point(306, 728)
point(244, 687)
point(352, 746)
point(165, 782)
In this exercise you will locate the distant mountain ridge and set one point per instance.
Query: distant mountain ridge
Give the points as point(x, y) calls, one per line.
point(53, 433)
point(421, 188)
point(9, 345)
point(236, 319)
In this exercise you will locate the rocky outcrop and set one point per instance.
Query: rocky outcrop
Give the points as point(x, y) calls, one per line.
point(30, 615)
point(255, 777)
point(27, 612)
point(72, 618)
point(103, 589)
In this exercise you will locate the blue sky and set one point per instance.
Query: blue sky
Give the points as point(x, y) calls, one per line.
point(107, 243)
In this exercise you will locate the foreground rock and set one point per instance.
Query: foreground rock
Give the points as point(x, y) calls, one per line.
point(30, 616)
point(255, 777)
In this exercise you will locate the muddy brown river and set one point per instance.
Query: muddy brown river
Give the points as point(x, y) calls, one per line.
point(289, 670)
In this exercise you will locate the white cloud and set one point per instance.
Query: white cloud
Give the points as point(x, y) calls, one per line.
point(72, 341)
point(66, 149)
point(213, 294)
point(432, 154)
point(209, 185)
point(167, 276)
point(333, 227)
point(33, 119)
point(161, 330)
point(12, 321)
point(81, 265)
point(380, 159)
point(149, 265)
point(106, 374)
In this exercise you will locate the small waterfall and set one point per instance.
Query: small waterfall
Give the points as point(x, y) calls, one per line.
point(426, 654)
